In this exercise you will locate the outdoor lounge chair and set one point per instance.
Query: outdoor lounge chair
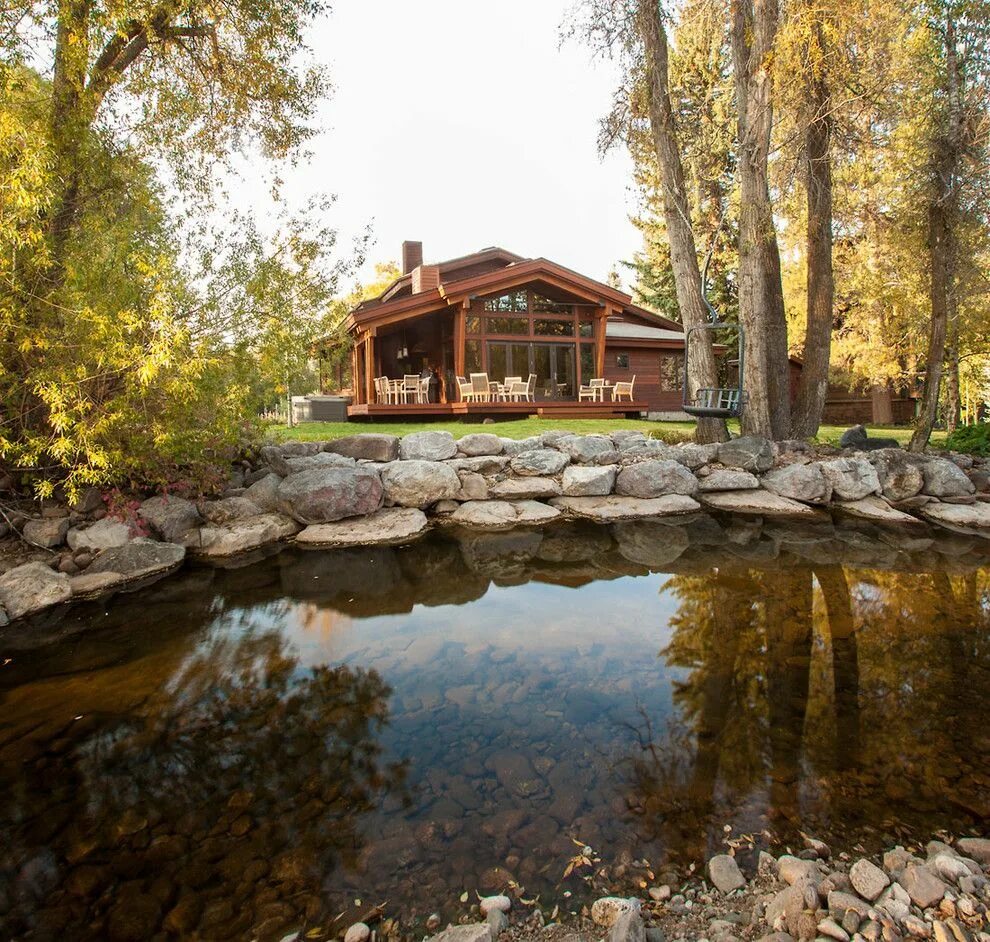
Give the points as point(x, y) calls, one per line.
point(620, 390)
point(520, 391)
point(464, 389)
point(480, 386)
point(592, 391)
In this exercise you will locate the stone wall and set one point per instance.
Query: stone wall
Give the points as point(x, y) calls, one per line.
point(374, 489)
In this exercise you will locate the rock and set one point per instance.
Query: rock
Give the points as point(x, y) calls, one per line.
point(804, 482)
point(794, 870)
point(659, 894)
point(643, 448)
point(606, 910)
point(533, 488)
point(917, 927)
point(140, 559)
point(856, 437)
point(386, 527)
point(851, 478)
point(785, 910)
point(897, 859)
point(650, 543)
point(473, 932)
point(831, 929)
point(876, 510)
point(359, 932)
point(502, 514)
point(976, 847)
point(368, 446)
point(725, 874)
point(839, 903)
point(427, 446)
point(31, 587)
point(481, 443)
point(417, 483)
point(539, 461)
point(628, 928)
point(497, 921)
point(949, 867)
point(655, 478)
point(473, 486)
point(246, 534)
point(48, 533)
point(171, 518)
point(899, 473)
point(894, 901)
point(588, 480)
point(750, 453)
point(586, 449)
point(322, 459)
point(757, 502)
point(102, 535)
point(868, 879)
point(728, 479)
point(971, 518)
point(655, 934)
point(322, 495)
point(614, 508)
point(93, 584)
point(924, 888)
point(694, 456)
point(89, 500)
point(482, 464)
point(943, 478)
point(513, 446)
point(499, 903)
point(263, 493)
point(229, 509)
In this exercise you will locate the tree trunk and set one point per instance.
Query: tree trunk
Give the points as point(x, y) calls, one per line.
point(883, 406)
point(941, 238)
point(702, 371)
point(813, 385)
point(761, 298)
point(953, 400)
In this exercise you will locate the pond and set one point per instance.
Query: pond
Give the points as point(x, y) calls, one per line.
point(235, 753)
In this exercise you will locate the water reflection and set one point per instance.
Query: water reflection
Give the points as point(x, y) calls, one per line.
point(244, 751)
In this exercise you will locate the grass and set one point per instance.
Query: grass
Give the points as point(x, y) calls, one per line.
point(523, 428)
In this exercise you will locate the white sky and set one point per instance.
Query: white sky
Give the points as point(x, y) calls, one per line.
point(463, 125)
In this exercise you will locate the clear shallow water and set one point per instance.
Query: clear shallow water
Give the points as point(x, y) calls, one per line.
point(245, 751)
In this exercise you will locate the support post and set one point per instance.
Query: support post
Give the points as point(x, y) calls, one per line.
point(600, 319)
point(369, 367)
point(460, 334)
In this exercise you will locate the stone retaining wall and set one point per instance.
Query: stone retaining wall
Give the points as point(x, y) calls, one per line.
point(374, 489)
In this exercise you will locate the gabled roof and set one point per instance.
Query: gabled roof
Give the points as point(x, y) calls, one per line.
point(460, 279)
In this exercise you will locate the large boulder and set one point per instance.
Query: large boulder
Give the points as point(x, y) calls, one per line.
point(877, 510)
point(971, 518)
point(516, 446)
point(899, 473)
point(244, 534)
point(170, 518)
point(760, 502)
point(140, 559)
point(325, 494)
point(31, 587)
point(694, 456)
point(633, 449)
point(728, 479)
point(531, 488)
point(503, 514)
point(856, 437)
point(387, 527)
point(945, 479)
point(540, 461)
point(587, 449)
point(655, 478)
point(614, 507)
point(263, 493)
point(750, 453)
point(851, 478)
point(102, 535)
point(322, 459)
point(588, 480)
point(48, 532)
point(481, 443)
point(473, 486)
point(419, 483)
point(370, 446)
point(229, 509)
point(427, 446)
point(803, 482)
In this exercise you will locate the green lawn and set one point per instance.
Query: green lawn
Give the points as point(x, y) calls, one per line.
point(523, 428)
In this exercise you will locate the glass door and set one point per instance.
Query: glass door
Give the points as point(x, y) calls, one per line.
point(553, 364)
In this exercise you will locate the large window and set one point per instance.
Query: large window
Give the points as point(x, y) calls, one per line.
point(472, 356)
point(544, 327)
point(671, 371)
point(507, 325)
point(513, 301)
point(587, 362)
point(543, 305)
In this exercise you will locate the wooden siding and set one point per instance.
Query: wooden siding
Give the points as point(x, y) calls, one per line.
point(644, 363)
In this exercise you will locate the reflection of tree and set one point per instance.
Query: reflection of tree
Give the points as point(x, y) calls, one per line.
point(243, 764)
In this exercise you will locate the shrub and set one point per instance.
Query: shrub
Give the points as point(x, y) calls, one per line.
point(971, 439)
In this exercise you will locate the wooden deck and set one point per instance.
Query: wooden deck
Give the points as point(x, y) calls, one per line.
point(551, 409)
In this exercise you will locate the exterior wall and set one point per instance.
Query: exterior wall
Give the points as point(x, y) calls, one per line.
point(644, 362)
point(845, 408)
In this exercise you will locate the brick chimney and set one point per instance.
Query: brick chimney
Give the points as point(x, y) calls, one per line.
point(412, 255)
point(425, 278)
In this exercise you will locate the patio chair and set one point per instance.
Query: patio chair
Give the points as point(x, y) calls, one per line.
point(423, 390)
point(410, 386)
point(383, 392)
point(465, 390)
point(520, 391)
point(623, 389)
point(501, 390)
point(480, 386)
point(591, 391)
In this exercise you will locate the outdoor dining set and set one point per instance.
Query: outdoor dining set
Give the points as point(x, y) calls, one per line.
point(479, 388)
